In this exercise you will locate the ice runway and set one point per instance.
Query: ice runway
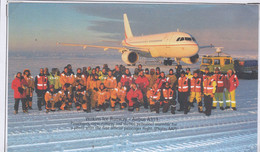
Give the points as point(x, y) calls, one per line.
point(223, 131)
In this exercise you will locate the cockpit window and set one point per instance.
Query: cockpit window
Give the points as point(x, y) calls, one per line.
point(178, 39)
point(193, 39)
point(182, 39)
point(187, 38)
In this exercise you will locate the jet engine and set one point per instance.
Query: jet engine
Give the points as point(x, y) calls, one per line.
point(191, 60)
point(130, 57)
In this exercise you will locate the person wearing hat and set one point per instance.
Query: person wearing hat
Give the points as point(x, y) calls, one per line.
point(134, 96)
point(162, 80)
point(220, 80)
point(188, 73)
point(50, 98)
point(209, 89)
point(41, 84)
point(231, 83)
point(196, 88)
point(127, 79)
point(19, 85)
point(172, 78)
point(67, 78)
point(29, 90)
point(157, 72)
point(183, 92)
point(70, 71)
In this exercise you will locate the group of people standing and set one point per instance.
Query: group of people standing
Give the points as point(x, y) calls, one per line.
point(95, 89)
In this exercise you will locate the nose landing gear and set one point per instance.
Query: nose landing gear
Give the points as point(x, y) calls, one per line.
point(168, 61)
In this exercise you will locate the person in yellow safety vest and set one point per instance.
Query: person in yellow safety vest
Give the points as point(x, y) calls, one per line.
point(89, 70)
point(188, 73)
point(98, 72)
point(183, 92)
point(30, 88)
point(110, 82)
point(173, 79)
point(169, 98)
point(196, 88)
point(103, 76)
point(67, 78)
point(118, 95)
point(64, 97)
point(51, 98)
point(209, 89)
point(220, 80)
point(153, 96)
point(103, 97)
point(94, 85)
point(80, 98)
point(230, 85)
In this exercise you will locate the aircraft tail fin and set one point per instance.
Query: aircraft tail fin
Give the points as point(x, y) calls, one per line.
point(128, 32)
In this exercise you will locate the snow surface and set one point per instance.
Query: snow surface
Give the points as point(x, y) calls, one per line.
point(223, 131)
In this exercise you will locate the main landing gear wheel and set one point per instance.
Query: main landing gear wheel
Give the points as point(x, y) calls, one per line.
point(168, 62)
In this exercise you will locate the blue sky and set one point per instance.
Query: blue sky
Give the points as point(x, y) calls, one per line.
point(38, 26)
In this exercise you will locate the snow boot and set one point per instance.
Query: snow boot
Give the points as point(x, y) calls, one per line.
point(221, 108)
point(15, 112)
point(234, 108)
point(227, 107)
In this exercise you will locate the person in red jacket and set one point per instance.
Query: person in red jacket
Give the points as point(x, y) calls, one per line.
point(19, 85)
point(162, 79)
point(127, 79)
point(143, 83)
point(231, 83)
point(134, 97)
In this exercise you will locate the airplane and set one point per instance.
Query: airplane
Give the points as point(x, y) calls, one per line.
point(179, 45)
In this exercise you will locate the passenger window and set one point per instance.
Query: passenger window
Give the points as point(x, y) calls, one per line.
point(216, 62)
point(193, 39)
point(178, 39)
point(227, 61)
point(209, 61)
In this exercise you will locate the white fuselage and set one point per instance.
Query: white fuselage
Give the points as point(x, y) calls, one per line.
point(166, 45)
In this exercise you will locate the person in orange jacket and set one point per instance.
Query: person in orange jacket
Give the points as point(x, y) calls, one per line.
point(220, 81)
point(67, 78)
point(154, 95)
point(64, 99)
point(51, 98)
point(19, 85)
point(183, 92)
point(209, 89)
point(134, 96)
point(196, 90)
point(169, 98)
point(80, 98)
point(94, 87)
point(29, 90)
point(41, 84)
point(231, 83)
point(118, 96)
point(103, 97)
point(110, 82)
point(143, 83)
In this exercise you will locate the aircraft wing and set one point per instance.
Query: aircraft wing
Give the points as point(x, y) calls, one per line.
point(208, 46)
point(120, 49)
point(94, 46)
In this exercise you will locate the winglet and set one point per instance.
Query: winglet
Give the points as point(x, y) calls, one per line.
point(128, 32)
